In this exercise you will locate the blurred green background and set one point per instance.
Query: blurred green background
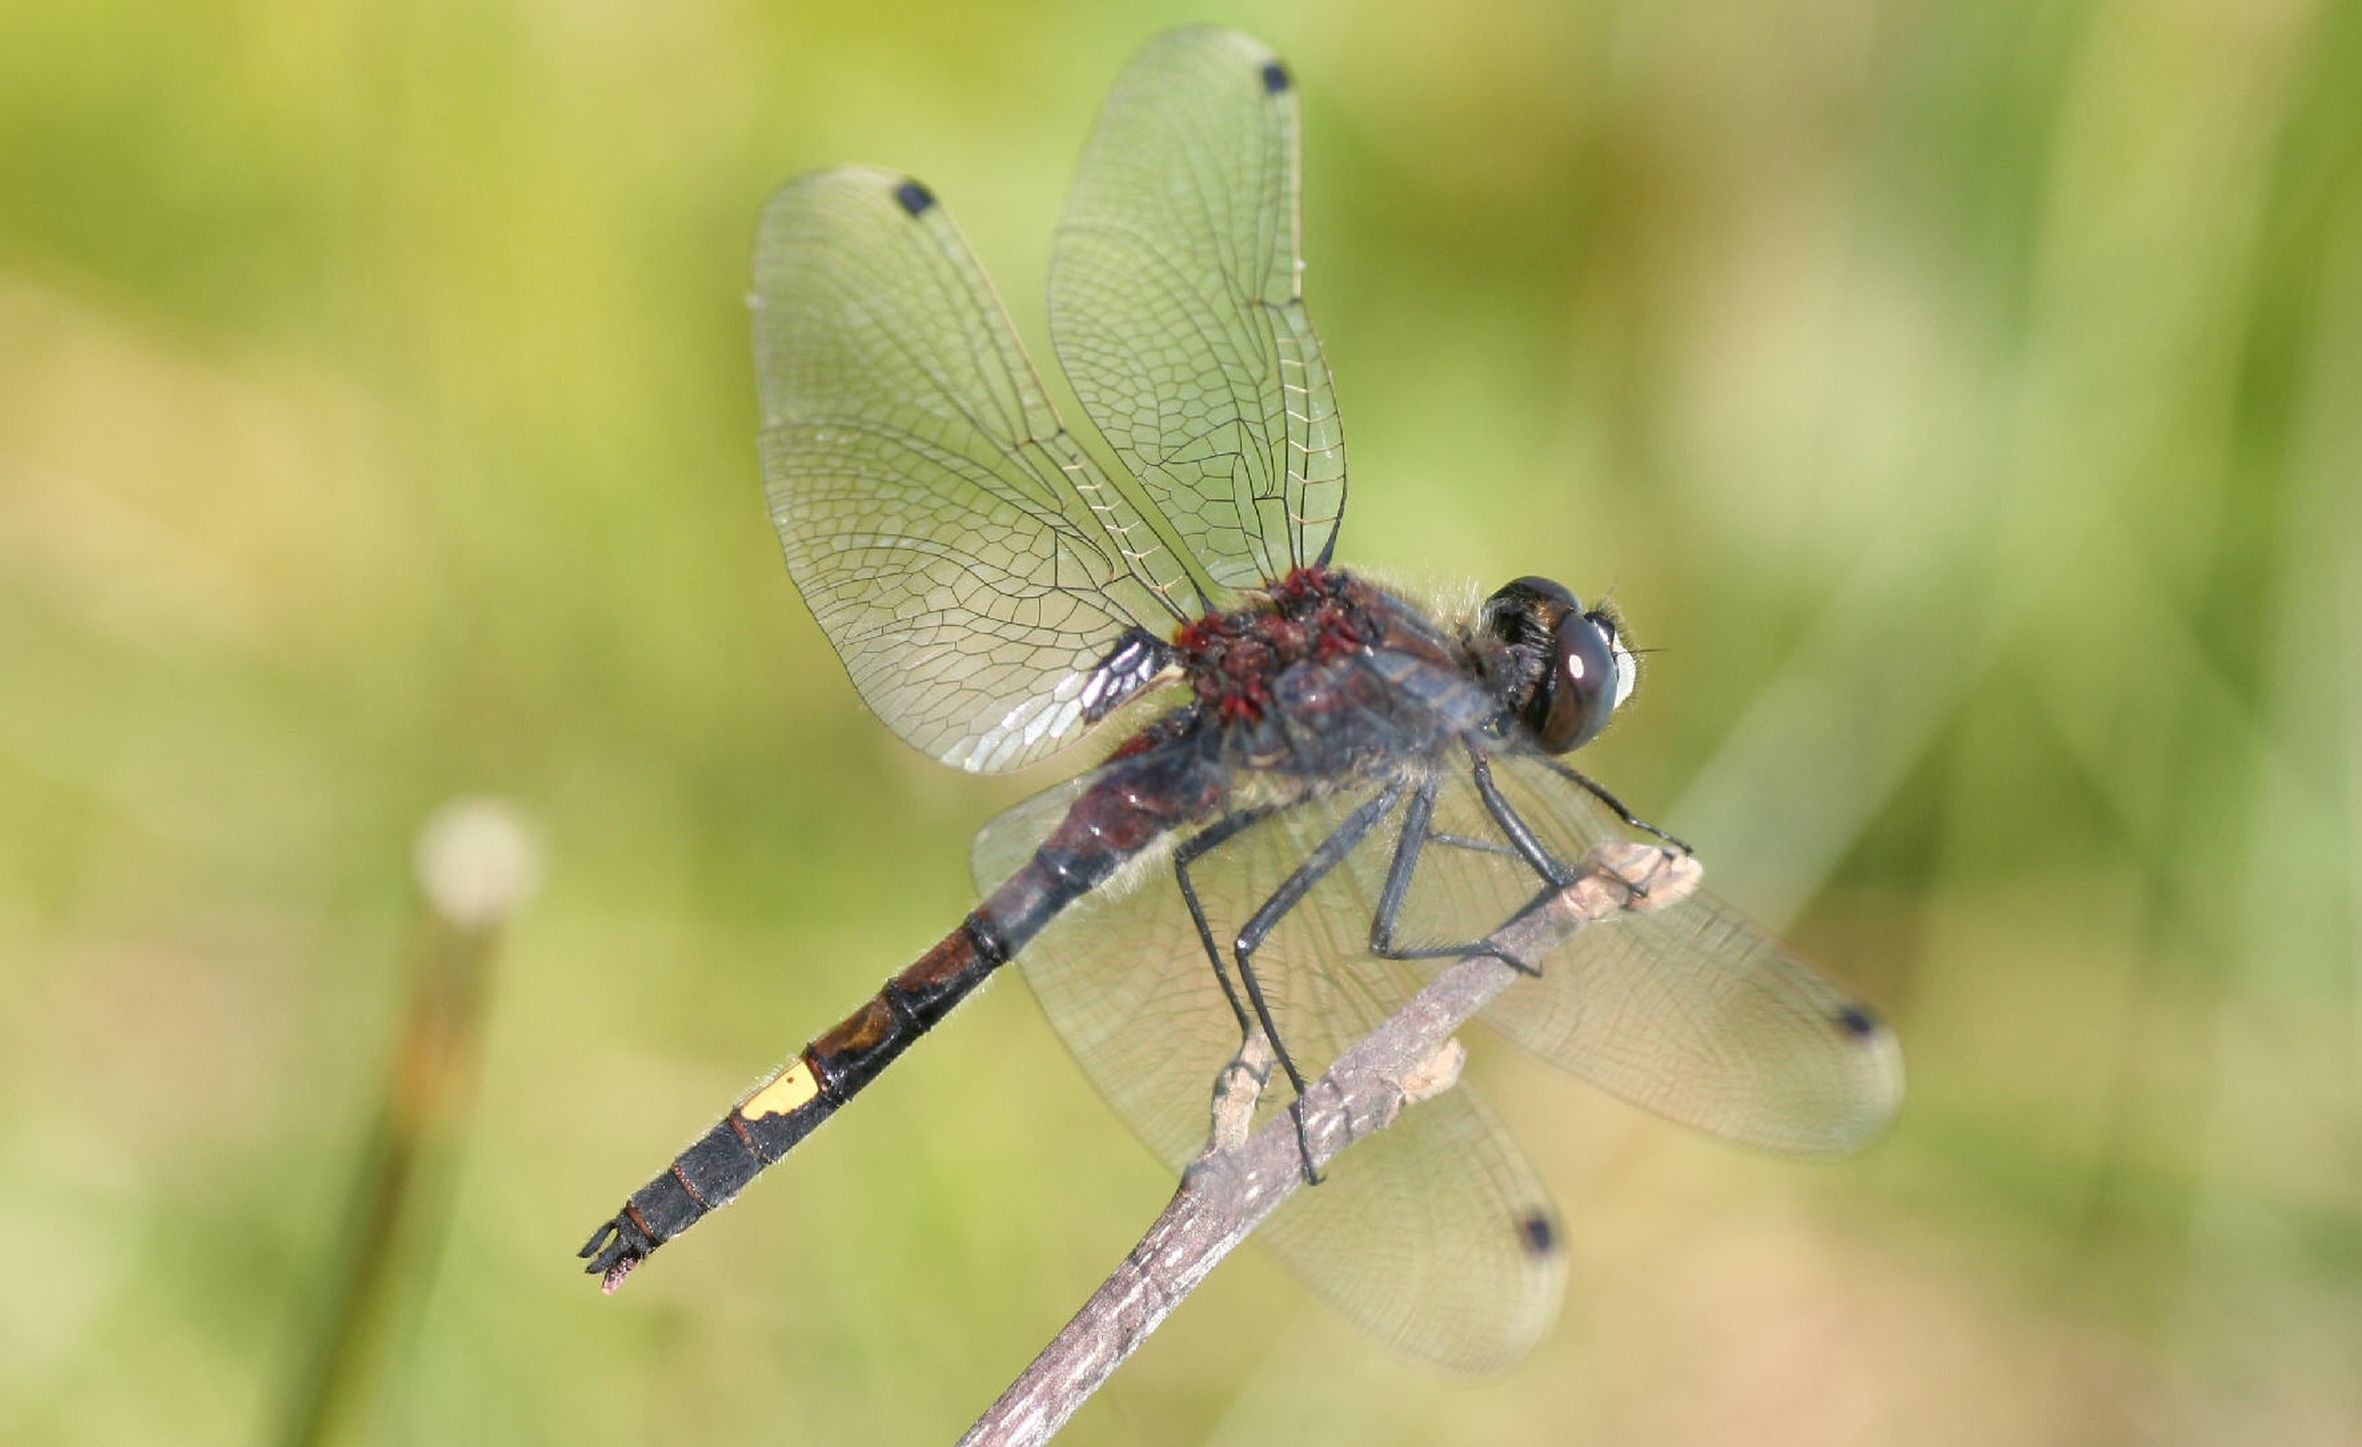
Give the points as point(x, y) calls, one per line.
point(1965, 398)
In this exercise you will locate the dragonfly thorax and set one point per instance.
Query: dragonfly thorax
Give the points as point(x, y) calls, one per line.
point(1234, 661)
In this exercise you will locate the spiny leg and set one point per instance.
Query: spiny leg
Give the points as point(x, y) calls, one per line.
point(1190, 850)
point(1316, 866)
point(1530, 845)
point(1520, 835)
point(1615, 805)
point(1416, 835)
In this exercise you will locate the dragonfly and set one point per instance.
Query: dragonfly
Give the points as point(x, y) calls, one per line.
point(1320, 788)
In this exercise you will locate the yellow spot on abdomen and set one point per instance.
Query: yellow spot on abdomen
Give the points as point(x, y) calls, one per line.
point(789, 1089)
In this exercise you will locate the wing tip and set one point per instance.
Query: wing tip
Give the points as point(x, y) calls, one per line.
point(913, 197)
point(1223, 44)
point(1537, 1232)
point(1877, 1090)
point(852, 179)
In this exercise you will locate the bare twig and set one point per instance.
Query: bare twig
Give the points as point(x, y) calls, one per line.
point(1240, 1178)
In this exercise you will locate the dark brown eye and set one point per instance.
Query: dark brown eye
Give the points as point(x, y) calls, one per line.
point(1581, 689)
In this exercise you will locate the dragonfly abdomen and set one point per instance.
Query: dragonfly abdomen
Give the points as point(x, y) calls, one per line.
point(792, 1103)
point(1106, 825)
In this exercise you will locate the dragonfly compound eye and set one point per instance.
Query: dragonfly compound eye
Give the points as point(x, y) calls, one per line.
point(1589, 675)
point(1527, 611)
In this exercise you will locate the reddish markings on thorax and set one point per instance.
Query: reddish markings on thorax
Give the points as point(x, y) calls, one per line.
point(1231, 659)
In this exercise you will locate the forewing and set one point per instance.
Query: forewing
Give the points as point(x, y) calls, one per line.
point(1687, 1010)
point(1178, 314)
point(1433, 1234)
point(964, 557)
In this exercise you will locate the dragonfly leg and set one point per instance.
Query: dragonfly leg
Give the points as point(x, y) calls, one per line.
point(1414, 838)
point(1518, 832)
point(1188, 852)
point(1616, 806)
point(1544, 863)
point(1266, 918)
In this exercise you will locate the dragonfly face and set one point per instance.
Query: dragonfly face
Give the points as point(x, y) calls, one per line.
point(1566, 671)
point(1345, 790)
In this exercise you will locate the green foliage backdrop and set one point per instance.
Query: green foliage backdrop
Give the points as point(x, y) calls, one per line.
point(1963, 397)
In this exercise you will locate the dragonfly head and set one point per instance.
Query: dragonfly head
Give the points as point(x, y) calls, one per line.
point(1568, 670)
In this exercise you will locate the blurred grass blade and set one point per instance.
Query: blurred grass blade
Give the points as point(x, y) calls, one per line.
point(476, 863)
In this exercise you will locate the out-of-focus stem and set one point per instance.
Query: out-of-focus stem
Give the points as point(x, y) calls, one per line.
point(475, 865)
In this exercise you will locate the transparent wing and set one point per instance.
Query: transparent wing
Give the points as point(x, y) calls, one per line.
point(1177, 312)
point(1433, 1234)
point(968, 562)
point(1689, 1011)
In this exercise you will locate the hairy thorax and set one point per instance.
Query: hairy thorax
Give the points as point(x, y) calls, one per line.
point(1292, 682)
point(1234, 661)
